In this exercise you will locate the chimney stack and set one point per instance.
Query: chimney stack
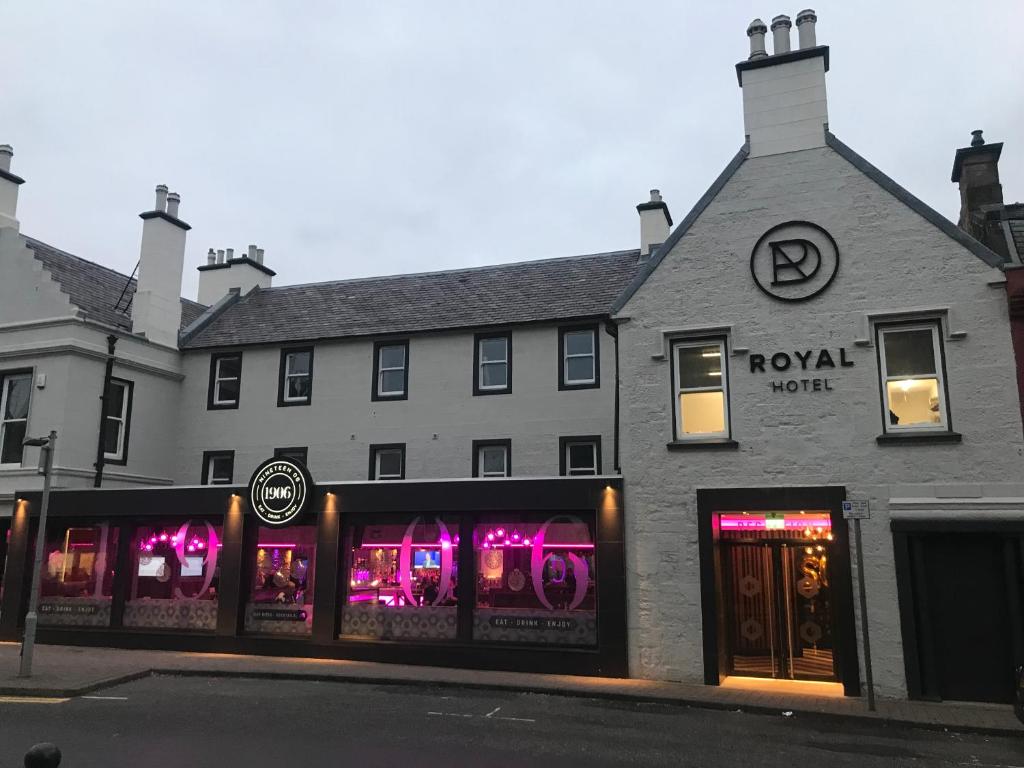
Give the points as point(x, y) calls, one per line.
point(227, 272)
point(655, 223)
point(982, 212)
point(9, 184)
point(156, 306)
point(785, 107)
point(211, 257)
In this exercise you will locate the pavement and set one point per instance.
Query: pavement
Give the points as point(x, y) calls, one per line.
point(69, 671)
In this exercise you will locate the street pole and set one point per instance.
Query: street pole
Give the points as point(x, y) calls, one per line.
point(28, 643)
point(864, 615)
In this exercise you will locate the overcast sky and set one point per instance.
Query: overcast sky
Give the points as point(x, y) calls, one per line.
point(359, 138)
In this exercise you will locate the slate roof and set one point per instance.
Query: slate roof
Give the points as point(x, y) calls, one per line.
point(1015, 214)
point(96, 289)
point(505, 294)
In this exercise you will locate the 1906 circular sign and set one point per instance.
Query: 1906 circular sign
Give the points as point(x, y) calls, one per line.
point(280, 491)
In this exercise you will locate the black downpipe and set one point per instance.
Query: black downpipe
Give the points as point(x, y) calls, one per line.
point(613, 330)
point(111, 343)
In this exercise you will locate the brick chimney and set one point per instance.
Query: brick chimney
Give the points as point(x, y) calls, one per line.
point(9, 184)
point(785, 107)
point(982, 213)
point(655, 223)
point(156, 306)
point(223, 272)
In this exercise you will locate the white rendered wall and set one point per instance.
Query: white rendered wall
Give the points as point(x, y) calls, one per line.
point(891, 259)
point(785, 107)
point(214, 284)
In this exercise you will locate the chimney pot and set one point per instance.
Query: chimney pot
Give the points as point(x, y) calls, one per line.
point(161, 198)
point(252, 252)
point(756, 32)
point(173, 201)
point(977, 141)
point(259, 255)
point(656, 196)
point(220, 255)
point(6, 153)
point(780, 34)
point(211, 257)
point(805, 21)
point(229, 254)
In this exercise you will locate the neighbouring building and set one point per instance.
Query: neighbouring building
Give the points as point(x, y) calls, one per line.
point(640, 462)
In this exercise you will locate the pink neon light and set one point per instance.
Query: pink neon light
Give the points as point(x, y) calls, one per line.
point(278, 546)
point(760, 523)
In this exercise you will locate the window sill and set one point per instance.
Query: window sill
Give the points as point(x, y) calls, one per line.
point(915, 438)
point(720, 444)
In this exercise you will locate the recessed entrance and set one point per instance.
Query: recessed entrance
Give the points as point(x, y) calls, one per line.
point(777, 593)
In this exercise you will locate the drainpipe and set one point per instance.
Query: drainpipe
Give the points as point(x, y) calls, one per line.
point(111, 343)
point(613, 330)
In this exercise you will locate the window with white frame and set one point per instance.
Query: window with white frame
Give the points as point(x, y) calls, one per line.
point(119, 409)
point(580, 457)
point(492, 460)
point(494, 364)
point(388, 462)
point(15, 392)
point(701, 388)
point(296, 386)
point(579, 357)
point(225, 380)
point(218, 468)
point(910, 357)
point(392, 371)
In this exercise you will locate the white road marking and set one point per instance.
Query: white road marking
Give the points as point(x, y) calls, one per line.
point(30, 700)
point(491, 714)
point(105, 698)
point(517, 719)
point(488, 716)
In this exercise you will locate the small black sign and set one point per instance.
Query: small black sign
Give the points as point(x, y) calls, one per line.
point(279, 491)
point(278, 614)
point(794, 261)
point(546, 623)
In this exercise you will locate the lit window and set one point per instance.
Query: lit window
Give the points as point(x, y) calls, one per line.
point(218, 467)
point(387, 462)
point(119, 409)
point(77, 576)
point(581, 456)
point(492, 458)
point(14, 399)
point(701, 402)
point(579, 357)
point(392, 371)
point(912, 382)
point(225, 380)
point(494, 364)
point(281, 599)
point(296, 384)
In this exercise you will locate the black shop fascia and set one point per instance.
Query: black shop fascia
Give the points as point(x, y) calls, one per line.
point(819, 362)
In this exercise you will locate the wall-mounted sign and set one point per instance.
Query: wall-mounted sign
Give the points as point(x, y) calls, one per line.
point(806, 360)
point(279, 491)
point(794, 261)
point(856, 509)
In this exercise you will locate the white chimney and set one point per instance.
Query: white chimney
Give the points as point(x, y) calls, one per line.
point(9, 184)
point(655, 223)
point(756, 32)
point(228, 272)
point(785, 107)
point(156, 307)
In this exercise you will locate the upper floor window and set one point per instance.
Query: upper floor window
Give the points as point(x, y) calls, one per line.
point(15, 392)
point(578, 354)
point(295, 454)
point(492, 458)
point(119, 414)
point(387, 462)
point(295, 381)
point(493, 364)
point(580, 455)
point(225, 380)
point(913, 388)
point(218, 467)
point(701, 390)
point(391, 370)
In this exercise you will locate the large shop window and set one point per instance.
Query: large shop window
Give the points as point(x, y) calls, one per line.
point(295, 384)
point(912, 383)
point(15, 391)
point(402, 579)
point(77, 576)
point(175, 576)
point(536, 580)
point(578, 358)
point(225, 380)
point(701, 385)
point(119, 414)
point(391, 370)
point(493, 364)
point(281, 600)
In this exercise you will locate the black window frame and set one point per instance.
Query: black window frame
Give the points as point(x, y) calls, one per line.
point(282, 376)
point(374, 449)
point(563, 451)
point(478, 338)
point(214, 359)
point(505, 443)
point(679, 440)
point(595, 329)
point(290, 451)
point(125, 425)
point(4, 375)
point(376, 396)
point(208, 456)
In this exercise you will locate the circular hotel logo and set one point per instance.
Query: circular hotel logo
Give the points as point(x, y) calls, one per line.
point(279, 491)
point(794, 261)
